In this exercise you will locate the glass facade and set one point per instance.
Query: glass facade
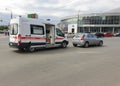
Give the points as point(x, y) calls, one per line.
point(96, 22)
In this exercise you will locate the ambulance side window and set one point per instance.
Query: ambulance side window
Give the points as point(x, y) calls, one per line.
point(37, 29)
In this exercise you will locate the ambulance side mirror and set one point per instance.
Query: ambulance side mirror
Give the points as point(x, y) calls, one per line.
point(63, 35)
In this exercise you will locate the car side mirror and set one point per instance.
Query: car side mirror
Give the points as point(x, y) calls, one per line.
point(63, 35)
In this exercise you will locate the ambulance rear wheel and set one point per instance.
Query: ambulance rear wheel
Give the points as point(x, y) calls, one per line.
point(64, 45)
point(31, 49)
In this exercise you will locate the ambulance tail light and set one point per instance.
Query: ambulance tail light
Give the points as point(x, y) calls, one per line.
point(19, 39)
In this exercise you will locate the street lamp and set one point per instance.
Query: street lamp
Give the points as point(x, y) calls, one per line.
point(1, 20)
point(11, 16)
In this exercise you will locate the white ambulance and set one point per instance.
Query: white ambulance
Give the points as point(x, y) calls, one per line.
point(30, 34)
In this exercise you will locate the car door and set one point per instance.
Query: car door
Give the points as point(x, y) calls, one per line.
point(95, 40)
point(90, 39)
point(38, 36)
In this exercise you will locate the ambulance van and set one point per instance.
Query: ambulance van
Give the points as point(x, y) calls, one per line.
point(30, 34)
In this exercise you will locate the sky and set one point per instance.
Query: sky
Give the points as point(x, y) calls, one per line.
point(53, 9)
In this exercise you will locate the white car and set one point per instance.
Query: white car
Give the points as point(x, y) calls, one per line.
point(86, 39)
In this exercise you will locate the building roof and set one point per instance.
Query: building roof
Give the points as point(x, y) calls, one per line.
point(112, 12)
point(116, 10)
point(91, 14)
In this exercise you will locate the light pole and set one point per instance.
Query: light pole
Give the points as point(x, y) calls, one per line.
point(1, 20)
point(78, 21)
point(11, 15)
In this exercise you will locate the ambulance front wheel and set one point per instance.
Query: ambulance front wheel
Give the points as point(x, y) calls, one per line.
point(31, 49)
point(64, 45)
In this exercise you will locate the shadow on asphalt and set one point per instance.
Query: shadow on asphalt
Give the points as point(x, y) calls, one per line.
point(91, 47)
point(45, 50)
point(57, 50)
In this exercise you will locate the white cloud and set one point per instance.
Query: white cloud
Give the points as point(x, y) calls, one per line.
point(57, 8)
point(53, 7)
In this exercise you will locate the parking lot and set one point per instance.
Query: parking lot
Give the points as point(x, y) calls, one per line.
point(72, 66)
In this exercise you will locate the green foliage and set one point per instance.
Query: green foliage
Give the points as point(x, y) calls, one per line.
point(3, 27)
point(1, 20)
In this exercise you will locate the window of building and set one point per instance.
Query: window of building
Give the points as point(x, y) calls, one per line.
point(73, 30)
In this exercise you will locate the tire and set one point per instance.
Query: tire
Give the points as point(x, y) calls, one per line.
point(64, 45)
point(100, 43)
point(31, 49)
point(75, 45)
point(86, 45)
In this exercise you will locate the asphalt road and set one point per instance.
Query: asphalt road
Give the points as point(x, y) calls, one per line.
point(94, 66)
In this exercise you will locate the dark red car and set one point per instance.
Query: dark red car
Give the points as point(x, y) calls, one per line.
point(108, 35)
point(99, 35)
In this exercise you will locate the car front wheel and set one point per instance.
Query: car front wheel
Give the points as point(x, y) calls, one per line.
point(100, 43)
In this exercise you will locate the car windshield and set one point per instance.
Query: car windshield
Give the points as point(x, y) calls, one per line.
point(78, 35)
point(13, 29)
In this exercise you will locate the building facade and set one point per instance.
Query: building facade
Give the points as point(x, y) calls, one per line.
point(94, 22)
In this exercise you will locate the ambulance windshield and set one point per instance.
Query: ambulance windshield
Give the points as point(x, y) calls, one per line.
point(13, 29)
point(59, 32)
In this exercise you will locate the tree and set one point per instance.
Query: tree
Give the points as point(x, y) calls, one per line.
point(3, 27)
